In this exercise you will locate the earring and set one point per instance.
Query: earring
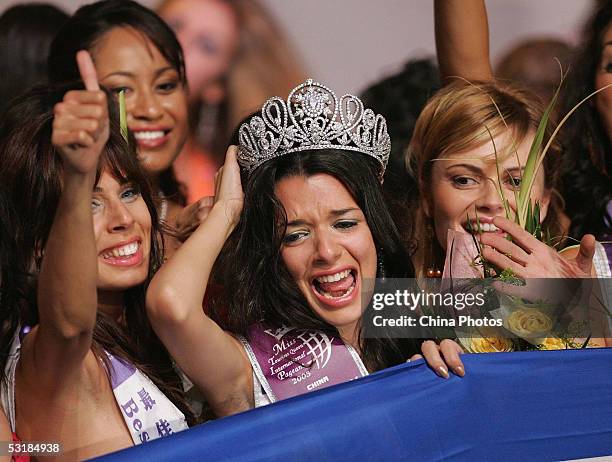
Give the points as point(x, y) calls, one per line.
point(381, 274)
point(432, 271)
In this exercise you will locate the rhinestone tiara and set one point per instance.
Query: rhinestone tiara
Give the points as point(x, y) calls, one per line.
point(312, 118)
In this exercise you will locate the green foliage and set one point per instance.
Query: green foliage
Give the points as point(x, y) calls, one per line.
point(123, 116)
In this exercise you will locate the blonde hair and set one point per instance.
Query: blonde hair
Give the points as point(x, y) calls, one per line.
point(464, 116)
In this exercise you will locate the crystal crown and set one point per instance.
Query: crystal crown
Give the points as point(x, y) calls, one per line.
point(312, 118)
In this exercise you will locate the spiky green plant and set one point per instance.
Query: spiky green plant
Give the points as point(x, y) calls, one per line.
point(527, 217)
point(123, 116)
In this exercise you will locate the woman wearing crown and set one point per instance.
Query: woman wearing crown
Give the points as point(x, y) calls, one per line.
point(303, 246)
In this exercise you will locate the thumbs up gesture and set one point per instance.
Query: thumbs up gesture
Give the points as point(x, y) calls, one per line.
point(80, 125)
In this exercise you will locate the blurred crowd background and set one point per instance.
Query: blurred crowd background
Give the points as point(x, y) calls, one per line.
point(374, 38)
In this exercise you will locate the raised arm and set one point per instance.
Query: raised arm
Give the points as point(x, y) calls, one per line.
point(213, 359)
point(462, 40)
point(67, 298)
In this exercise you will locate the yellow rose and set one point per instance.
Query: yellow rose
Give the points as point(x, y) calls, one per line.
point(489, 345)
point(553, 343)
point(528, 322)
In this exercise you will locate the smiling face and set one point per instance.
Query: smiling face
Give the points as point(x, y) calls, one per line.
point(603, 77)
point(328, 248)
point(208, 32)
point(122, 229)
point(466, 184)
point(155, 96)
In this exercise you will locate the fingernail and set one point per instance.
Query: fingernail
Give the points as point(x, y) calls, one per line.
point(443, 372)
point(459, 371)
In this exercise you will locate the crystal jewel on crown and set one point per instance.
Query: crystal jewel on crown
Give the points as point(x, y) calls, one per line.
point(312, 118)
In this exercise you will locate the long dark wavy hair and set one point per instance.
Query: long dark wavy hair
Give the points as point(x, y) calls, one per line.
point(85, 28)
point(26, 32)
point(30, 177)
point(587, 167)
point(13, 277)
point(258, 285)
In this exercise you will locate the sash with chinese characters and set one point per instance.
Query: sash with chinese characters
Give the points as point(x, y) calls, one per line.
point(147, 412)
point(289, 362)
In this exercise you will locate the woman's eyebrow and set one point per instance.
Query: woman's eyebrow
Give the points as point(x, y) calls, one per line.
point(470, 167)
point(332, 213)
point(340, 212)
point(163, 70)
point(512, 169)
point(132, 75)
point(297, 222)
point(119, 73)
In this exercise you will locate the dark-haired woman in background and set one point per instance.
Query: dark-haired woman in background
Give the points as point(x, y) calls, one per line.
point(91, 373)
point(134, 50)
point(400, 98)
point(302, 256)
point(26, 32)
point(587, 178)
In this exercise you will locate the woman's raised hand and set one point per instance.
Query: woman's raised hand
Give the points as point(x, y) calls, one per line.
point(528, 257)
point(80, 125)
point(228, 188)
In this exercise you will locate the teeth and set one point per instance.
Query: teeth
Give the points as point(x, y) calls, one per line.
point(123, 251)
point(484, 227)
point(330, 296)
point(334, 277)
point(152, 135)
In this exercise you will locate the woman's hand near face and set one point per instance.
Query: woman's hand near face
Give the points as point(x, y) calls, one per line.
point(442, 357)
point(80, 125)
point(228, 189)
point(528, 257)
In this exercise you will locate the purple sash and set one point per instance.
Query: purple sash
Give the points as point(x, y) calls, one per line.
point(289, 362)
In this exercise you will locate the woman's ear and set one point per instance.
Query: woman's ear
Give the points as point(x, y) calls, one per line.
point(424, 202)
point(544, 203)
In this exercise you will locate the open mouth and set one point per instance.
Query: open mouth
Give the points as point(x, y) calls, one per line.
point(476, 227)
point(337, 287)
point(151, 138)
point(124, 255)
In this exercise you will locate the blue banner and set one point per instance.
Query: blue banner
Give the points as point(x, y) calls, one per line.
point(539, 405)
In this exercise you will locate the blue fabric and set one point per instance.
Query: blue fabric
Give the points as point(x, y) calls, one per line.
point(548, 405)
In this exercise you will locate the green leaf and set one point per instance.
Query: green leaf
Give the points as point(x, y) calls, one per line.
point(529, 184)
point(529, 222)
point(123, 116)
point(532, 164)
